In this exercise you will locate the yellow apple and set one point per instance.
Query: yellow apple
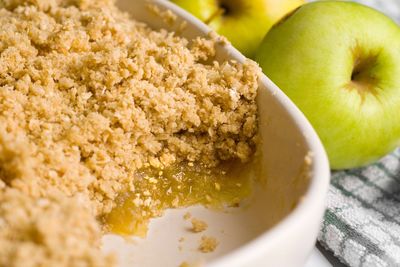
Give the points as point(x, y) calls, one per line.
point(339, 61)
point(243, 22)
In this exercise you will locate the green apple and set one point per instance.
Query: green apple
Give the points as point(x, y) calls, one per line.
point(340, 63)
point(243, 22)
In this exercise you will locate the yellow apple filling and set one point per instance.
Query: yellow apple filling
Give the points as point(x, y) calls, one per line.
point(180, 185)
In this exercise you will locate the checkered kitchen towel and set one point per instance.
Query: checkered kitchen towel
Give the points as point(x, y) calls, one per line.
point(362, 222)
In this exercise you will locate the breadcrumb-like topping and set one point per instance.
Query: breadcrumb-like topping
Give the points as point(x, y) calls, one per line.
point(87, 97)
point(52, 231)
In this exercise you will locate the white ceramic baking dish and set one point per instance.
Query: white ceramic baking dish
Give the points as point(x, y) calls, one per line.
point(279, 226)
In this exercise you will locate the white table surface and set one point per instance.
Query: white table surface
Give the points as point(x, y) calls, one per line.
point(317, 259)
point(322, 258)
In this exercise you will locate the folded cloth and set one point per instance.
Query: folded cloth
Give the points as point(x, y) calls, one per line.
point(362, 222)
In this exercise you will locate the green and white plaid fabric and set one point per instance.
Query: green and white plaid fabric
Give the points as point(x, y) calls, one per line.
point(362, 221)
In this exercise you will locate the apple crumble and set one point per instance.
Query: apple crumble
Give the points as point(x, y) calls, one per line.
point(95, 107)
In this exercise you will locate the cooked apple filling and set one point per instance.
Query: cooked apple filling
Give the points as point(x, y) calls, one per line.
point(179, 185)
point(103, 119)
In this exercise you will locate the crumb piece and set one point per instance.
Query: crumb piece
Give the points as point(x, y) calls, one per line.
point(166, 15)
point(182, 26)
point(222, 40)
point(187, 216)
point(153, 180)
point(235, 205)
point(198, 225)
point(180, 246)
point(208, 244)
point(217, 186)
point(308, 158)
point(175, 202)
point(186, 264)
point(203, 48)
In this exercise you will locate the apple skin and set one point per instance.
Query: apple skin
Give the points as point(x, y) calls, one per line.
point(340, 63)
point(243, 22)
point(202, 9)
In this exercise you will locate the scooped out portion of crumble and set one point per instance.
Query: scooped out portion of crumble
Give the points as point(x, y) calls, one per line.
point(95, 106)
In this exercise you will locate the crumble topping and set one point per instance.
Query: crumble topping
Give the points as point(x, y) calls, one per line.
point(51, 231)
point(88, 97)
point(166, 15)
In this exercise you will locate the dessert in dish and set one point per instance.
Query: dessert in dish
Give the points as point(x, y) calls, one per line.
point(105, 122)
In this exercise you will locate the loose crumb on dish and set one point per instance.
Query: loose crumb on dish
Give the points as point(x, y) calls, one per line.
point(182, 27)
point(166, 15)
point(208, 244)
point(186, 264)
point(219, 39)
point(198, 225)
point(187, 216)
point(308, 159)
point(181, 240)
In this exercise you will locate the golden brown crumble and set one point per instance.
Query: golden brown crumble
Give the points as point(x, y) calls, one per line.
point(52, 231)
point(198, 225)
point(166, 15)
point(187, 216)
point(208, 244)
point(186, 264)
point(88, 97)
